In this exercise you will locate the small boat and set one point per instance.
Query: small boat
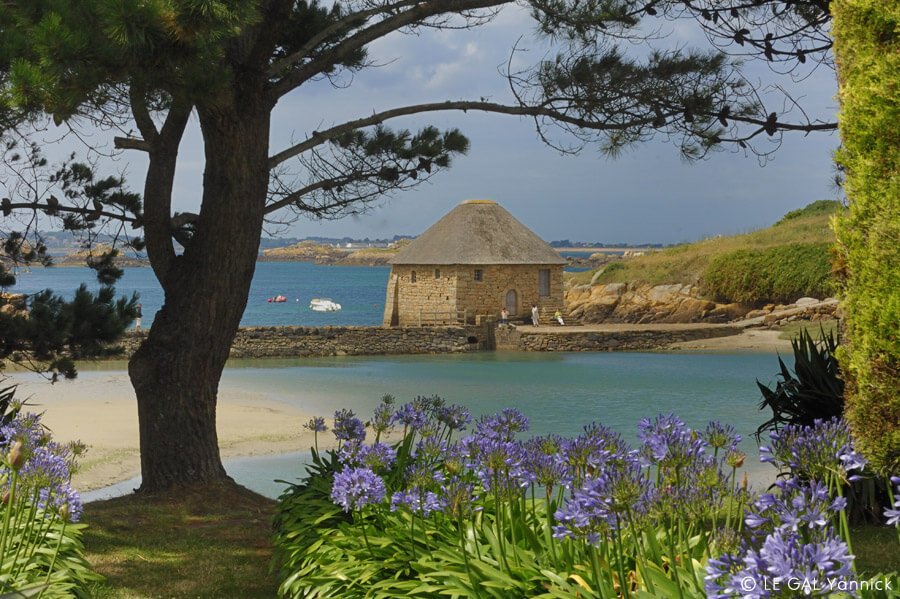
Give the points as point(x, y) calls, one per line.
point(323, 304)
point(278, 299)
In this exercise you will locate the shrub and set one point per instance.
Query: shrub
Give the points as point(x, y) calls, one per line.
point(817, 208)
point(494, 516)
point(867, 50)
point(813, 391)
point(41, 553)
point(777, 274)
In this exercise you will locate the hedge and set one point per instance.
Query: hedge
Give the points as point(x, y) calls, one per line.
point(867, 51)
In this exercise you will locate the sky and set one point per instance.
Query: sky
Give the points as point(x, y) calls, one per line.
point(647, 195)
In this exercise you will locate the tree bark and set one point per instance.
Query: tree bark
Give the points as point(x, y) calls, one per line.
point(176, 370)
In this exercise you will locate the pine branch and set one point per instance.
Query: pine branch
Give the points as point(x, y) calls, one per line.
point(417, 14)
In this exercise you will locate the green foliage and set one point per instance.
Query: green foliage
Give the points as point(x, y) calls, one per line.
point(685, 264)
point(778, 274)
point(813, 391)
point(867, 50)
point(54, 331)
point(41, 551)
point(817, 208)
point(504, 551)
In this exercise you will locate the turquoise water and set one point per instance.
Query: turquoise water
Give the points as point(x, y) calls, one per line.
point(559, 392)
point(359, 289)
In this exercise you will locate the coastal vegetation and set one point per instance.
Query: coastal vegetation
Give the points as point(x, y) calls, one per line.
point(492, 515)
point(41, 550)
point(150, 69)
point(867, 51)
point(778, 264)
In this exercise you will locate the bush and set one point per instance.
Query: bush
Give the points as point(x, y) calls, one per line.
point(817, 208)
point(494, 516)
point(41, 553)
point(814, 391)
point(777, 274)
point(867, 50)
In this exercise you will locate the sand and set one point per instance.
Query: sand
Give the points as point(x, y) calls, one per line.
point(750, 340)
point(101, 411)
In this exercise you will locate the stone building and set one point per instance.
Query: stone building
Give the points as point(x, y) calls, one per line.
point(469, 265)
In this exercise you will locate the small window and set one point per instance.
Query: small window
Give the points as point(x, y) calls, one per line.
point(544, 282)
point(479, 274)
point(412, 277)
point(437, 273)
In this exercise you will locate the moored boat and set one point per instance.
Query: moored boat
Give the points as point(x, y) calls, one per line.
point(323, 304)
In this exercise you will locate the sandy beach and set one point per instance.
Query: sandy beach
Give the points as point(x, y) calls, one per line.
point(101, 411)
point(750, 340)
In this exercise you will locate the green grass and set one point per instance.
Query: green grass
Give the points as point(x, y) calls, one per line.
point(792, 329)
point(686, 263)
point(875, 548)
point(215, 543)
point(201, 544)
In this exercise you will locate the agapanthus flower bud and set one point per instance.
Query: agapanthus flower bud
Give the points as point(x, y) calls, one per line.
point(735, 459)
point(17, 456)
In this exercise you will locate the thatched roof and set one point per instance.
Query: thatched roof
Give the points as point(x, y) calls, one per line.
point(478, 232)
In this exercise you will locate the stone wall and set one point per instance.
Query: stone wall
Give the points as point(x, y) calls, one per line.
point(488, 296)
point(622, 340)
point(431, 298)
point(292, 342)
point(409, 302)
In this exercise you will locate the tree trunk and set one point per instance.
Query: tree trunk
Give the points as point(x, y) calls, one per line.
point(176, 370)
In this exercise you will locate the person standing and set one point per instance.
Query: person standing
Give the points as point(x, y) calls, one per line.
point(534, 314)
point(137, 319)
point(504, 316)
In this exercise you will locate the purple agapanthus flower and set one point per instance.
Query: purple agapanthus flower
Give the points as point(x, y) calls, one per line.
point(545, 463)
point(383, 417)
point(316, 424)
point(46, 470)
point(820, 451)
point(721, 436)
point(794, 506)
point(418, 501)
point(347, 427)
point(411, 415)
point(893, 515)
point(668, 442)
point(454, 416)
point(355, 488)
point(502, 426)
point(378, 456)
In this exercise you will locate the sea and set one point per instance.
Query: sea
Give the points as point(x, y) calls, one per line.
point(558, 392)
point(359, 289)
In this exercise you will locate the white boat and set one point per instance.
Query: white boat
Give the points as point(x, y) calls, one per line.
point(323, 304)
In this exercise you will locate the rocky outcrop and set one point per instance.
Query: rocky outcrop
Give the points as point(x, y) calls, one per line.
point(80, 257)
point(641, 303)
point(309, 251)
point(805, 308)
point(12, 303)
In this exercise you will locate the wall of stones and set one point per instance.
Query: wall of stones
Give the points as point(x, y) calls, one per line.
point(456, 289)
point(488, 296)
point(292, 342)
point(432, 297)
point(628, 340)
